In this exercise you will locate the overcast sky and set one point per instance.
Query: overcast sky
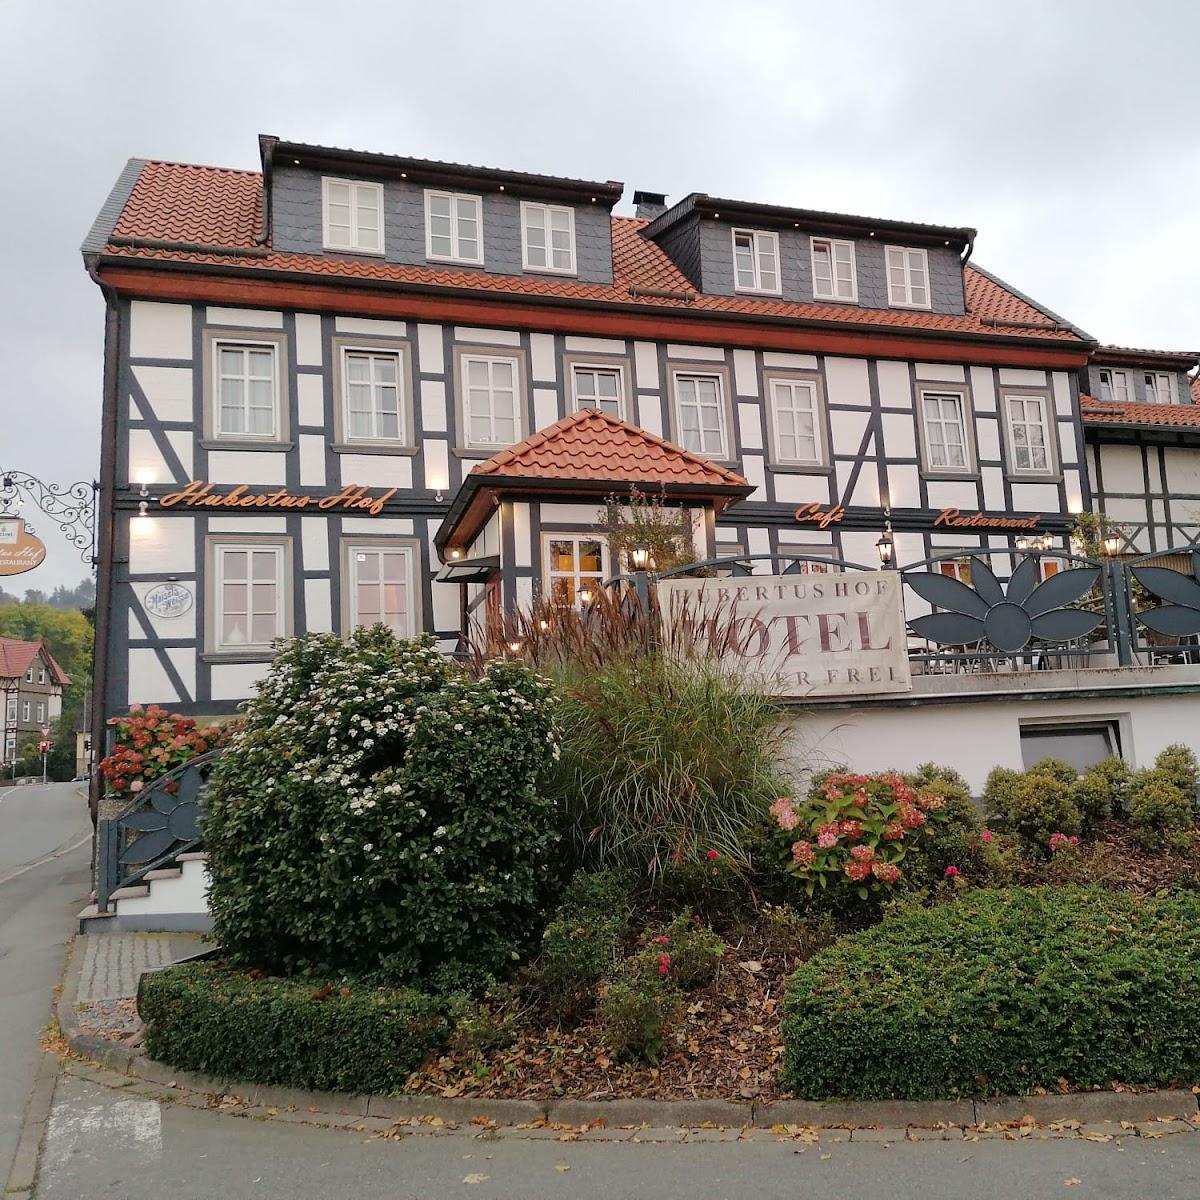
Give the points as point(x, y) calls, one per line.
point(1067, 133)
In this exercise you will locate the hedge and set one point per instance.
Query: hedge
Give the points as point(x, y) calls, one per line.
point(1001, 991)
point(343, 1036)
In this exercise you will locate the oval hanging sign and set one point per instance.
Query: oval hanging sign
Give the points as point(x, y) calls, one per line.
point(20, 550)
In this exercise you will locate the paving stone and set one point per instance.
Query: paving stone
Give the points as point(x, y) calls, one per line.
point(1153, 1129)
point(283, 1097)
point(114, 962)
point(875, 1135)
point(503, 1112)
point(888, 1113)
point(1089, 1106)
point(681, 1113)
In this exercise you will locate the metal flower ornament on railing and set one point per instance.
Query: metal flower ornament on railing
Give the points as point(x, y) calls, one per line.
point(1007, 618)
point(1180, 615)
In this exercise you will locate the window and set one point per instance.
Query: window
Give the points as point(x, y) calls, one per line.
point(794, 416)
point(574, 561)
point(353, 215)
point(957, 568)
point(1028, 432)
point(250, 589)
point(41, 712)
point(490, 400)
point(247, 390)
point(11, 709)
point(41, 674)
point(908, 277)
point(1160, 387)
point(29, 675)
point(834, 277)
point(454, 227)
point(381, 587)
point(945, 431)
point(548, 238)
point(372, 395)
point(1081, 744)
point(26, 710)
point(701, 411)
point(806, 566)
point(598, 387)
point(756, 261)
point(1114, 385)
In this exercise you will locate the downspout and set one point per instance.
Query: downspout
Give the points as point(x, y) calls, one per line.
point(969, 250)
point(104, 532)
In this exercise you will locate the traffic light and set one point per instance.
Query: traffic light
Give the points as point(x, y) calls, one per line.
point(43, 746)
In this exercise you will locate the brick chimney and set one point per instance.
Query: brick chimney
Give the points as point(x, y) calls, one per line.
point(650, 204)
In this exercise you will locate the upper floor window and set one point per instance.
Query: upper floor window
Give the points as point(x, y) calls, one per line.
point(700, 406)
point(1029, 432)
point(576, 565)
point(353, 214)
point(41, 674)
point(794, 417)
point(1160, 387)
point(490, 400)
point(454, 227)
point(29, 675)
point(247, 391)
point(249, 594)
point(1114, 385)
point(381, 587)
point(11, 711)
point(834, 277)
point(548, 237)
point(943, 416)
point(372, 395)
point(908, 277)
point(598, 387)
point(756, 261)
point(26, 711)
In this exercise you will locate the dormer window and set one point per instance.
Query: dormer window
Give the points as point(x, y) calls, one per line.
point(548, 238)
point(756, 261)
point(353, 216)
point(1114, 385)
point(908, 277)
point(834, 277)
point(1160, 388)
point(454, 228)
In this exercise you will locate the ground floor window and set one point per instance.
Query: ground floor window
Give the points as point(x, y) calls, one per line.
point(380, 587)
point(574, 563)
point(250, 589)
point(1082, 744)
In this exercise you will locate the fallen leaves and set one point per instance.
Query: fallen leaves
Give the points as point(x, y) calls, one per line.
point(475, 1177)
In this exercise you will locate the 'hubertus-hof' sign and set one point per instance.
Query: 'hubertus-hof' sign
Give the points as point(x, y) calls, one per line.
point(840, 633)
point(20, 550)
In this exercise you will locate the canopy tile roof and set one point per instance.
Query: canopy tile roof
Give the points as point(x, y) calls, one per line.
point(1114, 412)
point(16, 656)
point(209, 216)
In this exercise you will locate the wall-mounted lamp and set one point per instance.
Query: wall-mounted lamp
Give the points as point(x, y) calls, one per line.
point(1022, 542)
point(455, 553)
point(144, 493)
point(886, 545)
point(514, 646)
point(1047, 542)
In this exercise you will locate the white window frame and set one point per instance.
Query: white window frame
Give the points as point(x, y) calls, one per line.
point(10, 709)
point(358, 188)
point(407, 552)
point(677, 376)
point(813, 387)
point(29, 674)
point(1047, 425)
point(834, 245)
point(41, 675)
point(26, 711)
point(1156, 383)
point(549, 574)
point(465, 405)
point(616, 369)
point(757, 238)
point(1115, 373)
point(941, 393)
point(375, 437)
point(903, 297)
point(41, 712)
point(547, 211)
point(455, 199)
point(245, 344)
point(282, 594)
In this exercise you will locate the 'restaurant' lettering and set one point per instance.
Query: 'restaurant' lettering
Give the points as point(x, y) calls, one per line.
point(201, 495)
point(958, 520)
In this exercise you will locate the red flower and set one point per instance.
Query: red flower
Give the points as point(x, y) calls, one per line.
point(664, 940)
point(712, 854)
point(952, 872)
point(664, 963)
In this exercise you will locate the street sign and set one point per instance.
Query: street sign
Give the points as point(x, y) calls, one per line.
point(20, 550)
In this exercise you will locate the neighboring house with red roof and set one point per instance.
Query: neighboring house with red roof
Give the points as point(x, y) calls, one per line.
point(31, 689)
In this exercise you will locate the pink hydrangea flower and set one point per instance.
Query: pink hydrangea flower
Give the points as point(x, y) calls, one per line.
point(885, 872)
point(862, 853)
point(803, 854)
point(827, 840)
point(784, 814)
point(986, 835)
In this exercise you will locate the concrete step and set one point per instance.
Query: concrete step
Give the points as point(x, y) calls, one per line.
point(192, 856)
point(164, 873)
point(92, 920)
point(131, 893)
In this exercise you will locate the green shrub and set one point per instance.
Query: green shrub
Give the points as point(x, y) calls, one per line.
point(663, 761)
point(925, 775)
point(583, 940)
point(786, 933)
point(998, 791)
point(1161, 813)
point(694, 951)
point(635, 1011)
point(1178, 763)
point(1114, 770)
point(957, 840)
point(379, 811)
point(343, 1036)
point(1001, 991)
point(1040, 806)
point(1056, 768)
point(1091, 794)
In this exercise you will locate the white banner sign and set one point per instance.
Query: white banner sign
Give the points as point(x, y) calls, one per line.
point(831, 634)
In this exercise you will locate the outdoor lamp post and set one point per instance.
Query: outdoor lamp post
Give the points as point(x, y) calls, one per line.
point(1112, 544)
point(1022, 542)
point(585, 595)
point(639, 556)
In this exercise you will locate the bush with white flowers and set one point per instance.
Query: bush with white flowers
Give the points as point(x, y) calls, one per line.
point(380, 811)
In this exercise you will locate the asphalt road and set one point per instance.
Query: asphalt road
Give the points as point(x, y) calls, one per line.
point(45, 852)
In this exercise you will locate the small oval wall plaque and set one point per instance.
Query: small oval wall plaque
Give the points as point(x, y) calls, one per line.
point(168, 600)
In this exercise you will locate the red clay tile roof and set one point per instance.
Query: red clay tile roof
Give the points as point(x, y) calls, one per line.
point(15, 657)
point(591, 446)
point(1113, 412)
point(217, 209)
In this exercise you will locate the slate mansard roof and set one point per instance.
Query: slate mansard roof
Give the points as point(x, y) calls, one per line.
point(204, 218)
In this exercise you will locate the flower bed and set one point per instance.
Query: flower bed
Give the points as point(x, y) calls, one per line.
point(1001, 991)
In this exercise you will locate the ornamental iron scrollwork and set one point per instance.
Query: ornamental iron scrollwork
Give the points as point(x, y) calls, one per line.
point(1180, 615)
point(71, 505)
point(1007, 618)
